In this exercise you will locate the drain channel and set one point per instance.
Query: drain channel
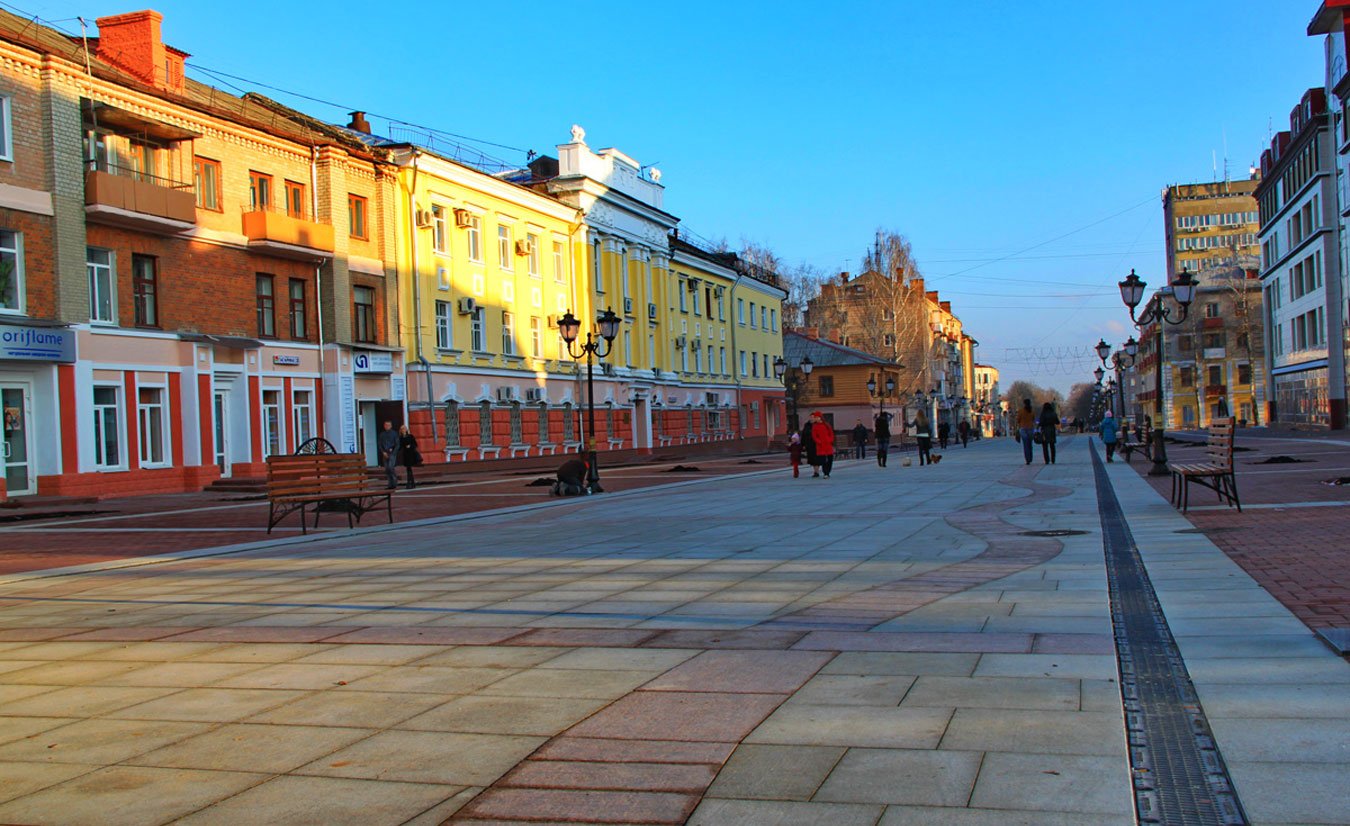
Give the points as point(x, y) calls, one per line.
point(1178, 774)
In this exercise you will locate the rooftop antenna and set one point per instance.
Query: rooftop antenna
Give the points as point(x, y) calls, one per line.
point(1225, 159)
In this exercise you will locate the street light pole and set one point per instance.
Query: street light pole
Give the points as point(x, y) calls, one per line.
point(793, 379)
point(1155, 312)
point(570, 328)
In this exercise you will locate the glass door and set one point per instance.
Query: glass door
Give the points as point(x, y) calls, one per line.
point(16, 439)
point(222, 428)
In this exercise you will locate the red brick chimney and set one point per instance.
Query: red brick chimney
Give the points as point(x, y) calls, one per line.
point(132, 43)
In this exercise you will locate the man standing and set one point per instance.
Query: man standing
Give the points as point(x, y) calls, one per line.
point(963, 431)
point(387, 443)
point(859, 441)
point(882, 427)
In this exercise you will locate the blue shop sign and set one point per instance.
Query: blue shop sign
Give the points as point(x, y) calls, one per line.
point(37, 343)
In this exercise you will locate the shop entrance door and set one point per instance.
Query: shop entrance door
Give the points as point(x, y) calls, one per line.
point(222, 431)
point(16, 439)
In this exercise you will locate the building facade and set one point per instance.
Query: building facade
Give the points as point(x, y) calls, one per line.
point(986, 400)
point(1300, 270)
point(188, 261)
point(837, 386)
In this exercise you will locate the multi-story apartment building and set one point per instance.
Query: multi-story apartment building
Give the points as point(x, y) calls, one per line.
point(1300, 270)
point(1215, 359)
point(190, 281)
point(895, 318)
point(986, 399)
point(1330, 21)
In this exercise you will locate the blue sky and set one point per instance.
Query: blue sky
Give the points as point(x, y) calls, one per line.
point(978, 130)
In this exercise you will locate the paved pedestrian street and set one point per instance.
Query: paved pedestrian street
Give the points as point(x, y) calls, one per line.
point(889, 646)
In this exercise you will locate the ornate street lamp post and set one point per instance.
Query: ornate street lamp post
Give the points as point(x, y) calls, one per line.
point(1155, 312)
point(570, 328)
point(887, 388)
point(793, 379)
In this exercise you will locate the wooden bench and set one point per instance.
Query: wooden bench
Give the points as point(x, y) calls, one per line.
point(1127, 448)
point(322, 481)
point(1216, 473)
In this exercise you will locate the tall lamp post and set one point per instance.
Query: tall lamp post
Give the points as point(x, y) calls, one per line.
point(887, 389)
point(570, 328)
point(793, 379)
point(1155, 312)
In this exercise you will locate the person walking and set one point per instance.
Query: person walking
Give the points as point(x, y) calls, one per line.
point(387, 444)
point(822, 436)
point(1048, 422)
point(963, 433)
point(923, 434)
point(809, 448)
point(795, 453)
point(944, 433)
point(859, 441)
point(1110, 434)
point(408, 454)
point(1026, 424)
point(882, 428)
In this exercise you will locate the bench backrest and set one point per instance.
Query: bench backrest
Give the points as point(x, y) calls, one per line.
point(318, 473)
point(1219, 445)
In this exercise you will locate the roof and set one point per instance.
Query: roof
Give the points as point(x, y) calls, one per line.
point(826, 353)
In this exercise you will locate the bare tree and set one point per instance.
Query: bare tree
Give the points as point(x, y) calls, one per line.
point(1079, 403)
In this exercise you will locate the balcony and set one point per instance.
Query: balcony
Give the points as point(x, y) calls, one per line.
point(1215, 323)
point(1216, 390)
point(272, 232)
point(136, 200)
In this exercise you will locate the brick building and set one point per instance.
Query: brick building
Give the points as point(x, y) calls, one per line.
point(204, 273)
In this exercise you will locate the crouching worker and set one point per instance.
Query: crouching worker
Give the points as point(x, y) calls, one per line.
point(571, 479)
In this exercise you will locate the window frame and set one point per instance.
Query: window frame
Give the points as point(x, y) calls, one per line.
point(440, 234)
point(443, 316)
point(358, 216)
point(533, 261)
point(265, 304)
point(295, 193)
point(364, 328)
point(508, 333)
point(165, 441)
point(505, 253)
point(473, 238)
point(100, 443)
point(6, 129)
point(260, 191)
point(199, 165)
point(478, 330)
point(298, 434)
point(297, 308)
point(139, 293)
point(825, 387)
point(110, 270)
point(16, 250)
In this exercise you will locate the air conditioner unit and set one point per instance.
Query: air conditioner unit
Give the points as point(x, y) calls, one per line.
point(711, 399)
point(468, 305)
point(628, 306)
point(651, 311)
point(692, 284)
point(506, 394)
point(422, 218)
point(553, 320)
point(719, 291)
point(534, 394)
point(524, 247)
point(698, 344)
point(463, 218)
point(680, 341)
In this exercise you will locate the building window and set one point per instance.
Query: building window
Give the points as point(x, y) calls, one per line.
point(474, 238)
point(266, 300)
point(477, 331)
point(150, 415)
point(763, 317)
point(295, 199)
point(504, 246)
point(722, 359)
point(754, 364)
point(271, 422)
point(485, 423)
point(439, 238)
point(597, 266)
point(1211, 309)
point(740, 310)
point(357, 213)
point(140, 161)
point(102, 284)
point(299, 325)
point(752, 315)
point(1187, 377)
point(452, 424)
point(532, 244)
point(11, 271)
point(6, 139)
point(559, 262)
point(826, 385)
point(444, 315)
point(206, 180)
point(302, 416)
point(683, 289)
point(1244, 374)
point(363, 307)
point(107, 427)
point(745, 368)
point(145, 290)
point(536, 337)
point(259, 191)
point(628, 349)
point(508, 334)
point(773, 319)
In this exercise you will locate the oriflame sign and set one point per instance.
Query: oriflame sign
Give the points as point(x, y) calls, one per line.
point(37, 343)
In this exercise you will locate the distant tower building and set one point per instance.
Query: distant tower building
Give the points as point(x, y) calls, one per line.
point(1215, 363)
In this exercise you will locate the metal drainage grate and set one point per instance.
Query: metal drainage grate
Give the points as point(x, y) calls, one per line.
point(1178, 774)
point(1053, 533)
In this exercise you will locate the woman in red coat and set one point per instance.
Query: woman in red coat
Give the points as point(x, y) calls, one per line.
point(823, 436)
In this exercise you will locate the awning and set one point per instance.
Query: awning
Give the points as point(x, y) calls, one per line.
point(129, 123)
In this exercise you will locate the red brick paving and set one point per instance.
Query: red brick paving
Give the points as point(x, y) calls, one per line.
point(1301, 555)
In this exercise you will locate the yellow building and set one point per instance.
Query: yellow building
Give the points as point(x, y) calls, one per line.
point(486, 266)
